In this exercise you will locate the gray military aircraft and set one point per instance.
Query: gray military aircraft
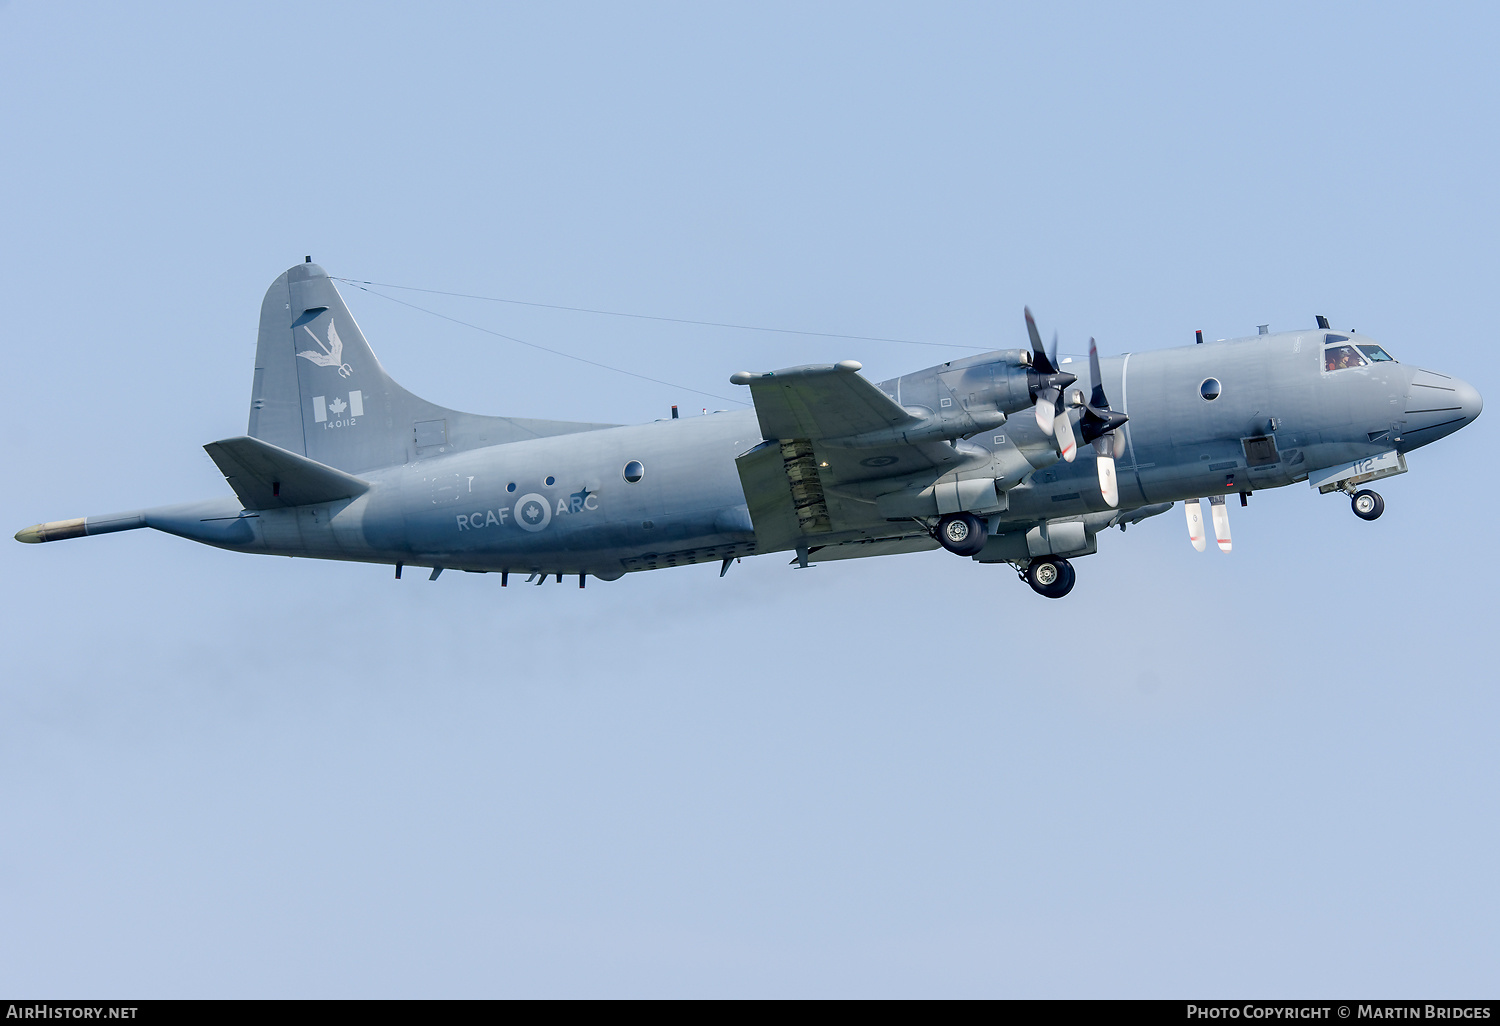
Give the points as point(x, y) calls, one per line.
point(980, 456)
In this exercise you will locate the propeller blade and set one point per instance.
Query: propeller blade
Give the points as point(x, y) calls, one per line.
point(1062, 430)
point(1221, 522)
point(1046, 408)
point(1096, 398)
point(1052, 353)
point(1194, 510)
point(1119, 437)
point(1108, 487)
point(1039, 361)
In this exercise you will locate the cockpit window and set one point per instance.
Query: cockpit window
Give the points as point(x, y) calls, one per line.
point(1377, 355)
point(1335, 338)
point(1341, 358)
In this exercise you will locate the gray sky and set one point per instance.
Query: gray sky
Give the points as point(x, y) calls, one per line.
point(1268, 773)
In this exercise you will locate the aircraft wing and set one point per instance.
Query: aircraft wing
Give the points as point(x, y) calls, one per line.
point(831, 438)
point(827, 401)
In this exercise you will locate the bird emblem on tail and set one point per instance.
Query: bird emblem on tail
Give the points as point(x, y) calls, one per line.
point(330, 355)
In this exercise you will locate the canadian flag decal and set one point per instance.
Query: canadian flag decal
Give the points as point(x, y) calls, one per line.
point(322, 407)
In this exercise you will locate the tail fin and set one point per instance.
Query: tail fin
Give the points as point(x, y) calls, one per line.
point(320, 392)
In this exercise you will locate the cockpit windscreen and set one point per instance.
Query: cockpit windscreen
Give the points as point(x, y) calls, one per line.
point(1341, 358)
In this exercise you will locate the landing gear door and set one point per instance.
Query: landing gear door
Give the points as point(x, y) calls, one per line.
point(1347, 476)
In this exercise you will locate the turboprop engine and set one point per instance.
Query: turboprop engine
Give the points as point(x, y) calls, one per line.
point(951, 401)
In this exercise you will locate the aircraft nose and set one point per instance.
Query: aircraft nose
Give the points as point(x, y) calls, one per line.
point(1436, 406)
point(1469, 400)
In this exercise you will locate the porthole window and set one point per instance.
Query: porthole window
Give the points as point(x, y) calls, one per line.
point(1210, 389)
point(633, 471)
point(551, 480)
point(510, 487)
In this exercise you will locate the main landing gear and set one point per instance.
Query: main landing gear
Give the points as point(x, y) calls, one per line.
point(1050, 576)
point(962, 534)
point(1367, 505)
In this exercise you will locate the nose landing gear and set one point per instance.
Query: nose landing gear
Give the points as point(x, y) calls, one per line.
point(1367, 505)
point(1050, 576)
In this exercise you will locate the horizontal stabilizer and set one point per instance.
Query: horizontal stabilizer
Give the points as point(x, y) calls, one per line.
point(265, 476)
point(830, 401)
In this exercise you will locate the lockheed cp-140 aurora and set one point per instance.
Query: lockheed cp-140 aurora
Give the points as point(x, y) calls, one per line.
point(996, 457)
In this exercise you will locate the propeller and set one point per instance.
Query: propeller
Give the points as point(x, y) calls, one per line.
point(1046, 384)
point(1100, 425)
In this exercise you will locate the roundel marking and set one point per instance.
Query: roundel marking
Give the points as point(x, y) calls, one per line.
point(533, 512)
point(878, 461)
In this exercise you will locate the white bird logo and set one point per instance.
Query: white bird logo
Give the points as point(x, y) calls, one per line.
point(331, 355)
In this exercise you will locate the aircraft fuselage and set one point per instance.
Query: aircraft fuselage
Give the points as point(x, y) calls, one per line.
point(562, 505)
point(980, 455)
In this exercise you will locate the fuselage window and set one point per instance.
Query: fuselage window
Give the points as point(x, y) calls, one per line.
point(1330, 339)
point(1341, 358)
point(634, 471)
point(1210, 389)
point(1377, 355)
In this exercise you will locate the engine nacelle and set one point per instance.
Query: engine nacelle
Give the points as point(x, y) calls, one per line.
point(965, 396)
point(1067, 536)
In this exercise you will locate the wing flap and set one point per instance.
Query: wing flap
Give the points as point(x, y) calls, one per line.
point(266, 476)
point(772, 495)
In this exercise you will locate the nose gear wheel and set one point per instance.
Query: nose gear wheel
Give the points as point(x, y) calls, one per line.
point(1367, 505)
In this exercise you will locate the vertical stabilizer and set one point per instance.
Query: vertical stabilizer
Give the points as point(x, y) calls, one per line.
point(320, 392)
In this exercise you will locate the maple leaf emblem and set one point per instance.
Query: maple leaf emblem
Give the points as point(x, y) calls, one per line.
point(338, 406)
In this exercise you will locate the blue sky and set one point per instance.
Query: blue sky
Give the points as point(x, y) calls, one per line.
point(1269, 773)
